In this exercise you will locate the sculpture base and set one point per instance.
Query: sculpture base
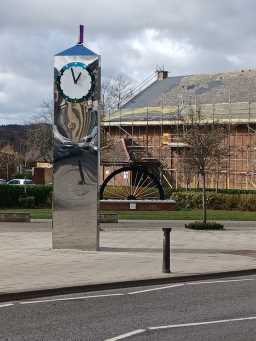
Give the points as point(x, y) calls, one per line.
point(71, 231)
point(138, 205)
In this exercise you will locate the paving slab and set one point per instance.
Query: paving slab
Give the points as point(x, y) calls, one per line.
point(28, 262)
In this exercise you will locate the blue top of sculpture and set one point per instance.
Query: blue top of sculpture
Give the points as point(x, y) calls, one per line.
point(77, 50)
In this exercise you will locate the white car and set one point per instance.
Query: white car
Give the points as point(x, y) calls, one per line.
point(19, 182)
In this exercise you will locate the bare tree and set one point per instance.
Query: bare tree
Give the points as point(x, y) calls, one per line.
point(39, 136)
point(114, 91)
point(187, 169)
point(8, 161)
point(205, 148)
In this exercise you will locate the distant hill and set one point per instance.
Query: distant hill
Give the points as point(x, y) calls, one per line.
point(13, 134)
point(33, 141)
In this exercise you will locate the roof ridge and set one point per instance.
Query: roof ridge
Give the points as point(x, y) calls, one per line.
point(215, 73)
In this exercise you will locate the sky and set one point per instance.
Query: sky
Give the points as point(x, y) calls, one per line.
point(134, 38)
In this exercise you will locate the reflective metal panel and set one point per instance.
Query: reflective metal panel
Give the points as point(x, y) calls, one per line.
point(76, 99)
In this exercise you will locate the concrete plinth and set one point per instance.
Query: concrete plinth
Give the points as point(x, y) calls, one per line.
point(138, 205)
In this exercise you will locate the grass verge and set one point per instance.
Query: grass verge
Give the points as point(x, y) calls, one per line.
point(36, 213)
point(46, 213)
point(187, 215)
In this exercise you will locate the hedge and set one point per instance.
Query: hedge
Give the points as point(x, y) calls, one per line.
point(40, 196)
point(225, 201)
point(222, 190)
point(16, 196)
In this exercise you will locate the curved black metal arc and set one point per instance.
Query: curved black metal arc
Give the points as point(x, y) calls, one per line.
point(142, 169)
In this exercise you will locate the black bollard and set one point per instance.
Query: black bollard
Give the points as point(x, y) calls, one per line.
point(166, 250)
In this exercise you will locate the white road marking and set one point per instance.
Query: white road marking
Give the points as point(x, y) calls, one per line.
point(202, 323)
point(6, 305)
point(220, 281)
point(182, 325)
point(69, 298)
point(141, 291)
point(124, 336)
point(189, 283)
point(156, 289)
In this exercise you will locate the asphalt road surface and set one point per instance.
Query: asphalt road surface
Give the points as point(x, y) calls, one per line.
point(221, 309)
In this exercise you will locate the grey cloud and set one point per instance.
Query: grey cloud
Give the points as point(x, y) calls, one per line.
point(215, 36)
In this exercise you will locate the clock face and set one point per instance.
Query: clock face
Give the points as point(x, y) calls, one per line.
point(75, 82)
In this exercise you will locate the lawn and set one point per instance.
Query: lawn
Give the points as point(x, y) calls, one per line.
point(38, 213)
point(188, 215)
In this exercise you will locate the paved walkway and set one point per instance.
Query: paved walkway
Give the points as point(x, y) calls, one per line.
point(28, 263)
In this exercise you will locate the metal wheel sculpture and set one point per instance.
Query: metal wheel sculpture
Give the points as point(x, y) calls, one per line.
point(131, 183)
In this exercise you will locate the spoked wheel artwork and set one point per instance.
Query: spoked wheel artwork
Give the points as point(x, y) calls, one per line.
point(132, 183)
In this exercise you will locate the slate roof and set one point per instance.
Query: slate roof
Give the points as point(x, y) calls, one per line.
point(152, 95)
point(163, 98)
point(208, 88)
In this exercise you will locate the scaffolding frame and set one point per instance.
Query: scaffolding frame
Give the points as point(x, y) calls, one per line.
point(147, 136)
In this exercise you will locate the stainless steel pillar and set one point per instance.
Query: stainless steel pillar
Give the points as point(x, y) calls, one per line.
point(76, 129)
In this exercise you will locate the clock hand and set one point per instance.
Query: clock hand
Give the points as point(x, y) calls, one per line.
point(73, 75)
point(78, 77)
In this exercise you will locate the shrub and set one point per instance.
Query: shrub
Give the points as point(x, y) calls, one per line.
point(199, 225)
point(227, 199)
point(247, 202)
point(27, 202)
point(222, 190)
point(10, 195)
point(187, 199)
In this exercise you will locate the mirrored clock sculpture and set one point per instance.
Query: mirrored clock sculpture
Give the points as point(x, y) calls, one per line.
point(76, 102)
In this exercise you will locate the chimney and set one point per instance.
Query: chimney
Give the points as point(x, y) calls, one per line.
point(161, 74)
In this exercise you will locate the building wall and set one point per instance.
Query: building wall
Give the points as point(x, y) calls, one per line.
point(237, 171)
point(42, 176)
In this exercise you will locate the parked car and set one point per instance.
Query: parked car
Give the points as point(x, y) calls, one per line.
point(19, 182)
point(2, 181)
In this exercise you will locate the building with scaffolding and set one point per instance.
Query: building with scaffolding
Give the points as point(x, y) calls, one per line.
point(146, 128)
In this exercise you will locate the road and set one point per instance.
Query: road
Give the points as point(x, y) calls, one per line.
point(221, 309)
